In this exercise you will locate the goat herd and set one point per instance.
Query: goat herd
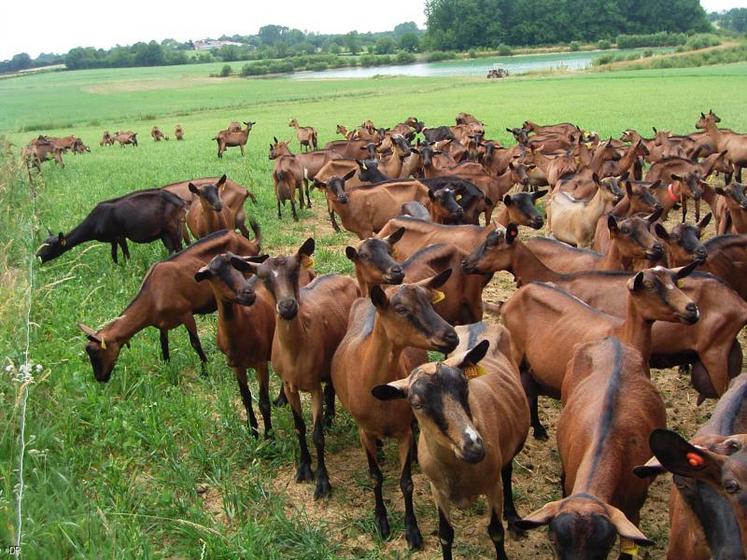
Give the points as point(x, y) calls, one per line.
point(584, 325)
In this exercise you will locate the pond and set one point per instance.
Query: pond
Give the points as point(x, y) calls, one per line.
point(517, 64)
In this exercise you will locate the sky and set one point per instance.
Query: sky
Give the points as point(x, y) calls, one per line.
point(55, 26)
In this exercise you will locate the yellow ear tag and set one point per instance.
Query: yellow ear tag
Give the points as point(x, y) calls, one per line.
point(458, 197)
point(308, 262)
point(629, 547)
point(438, 296)
point(103, 344)
point(474, 371)
point(680, 284)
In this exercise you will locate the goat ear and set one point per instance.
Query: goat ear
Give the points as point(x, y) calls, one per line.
point(247, 264)
point(89, 332)
point(507, 200)
point(661, 231)
point(625, 528)
point(676, 177)
point(629, 189)
point(348, 175)
point(705, 221)
point(431, 195)
point(222, 181)
point(540, 517)
point(720, 191)
point(391, 391)
point(686, 270)
point(193, 189)
point(435, 282)
point(655, 215)
point(308, 247)
point(702, 114)
point(319, 184)
point(396, 236)
point(636, 283)
point(651, 468)
point(202, 274)
point(539, 194)
point(378, 297)
point(680, 457)
point(351, 253)
point(475, 354)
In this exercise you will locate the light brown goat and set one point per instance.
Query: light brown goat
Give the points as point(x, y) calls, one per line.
point(232, 138)
point(306, 135)
point(218, 208)
point(473, 420)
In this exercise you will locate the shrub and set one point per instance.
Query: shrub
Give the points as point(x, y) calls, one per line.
point(574, 46)
point(226, 71)
point(660, 39)
point(405, 58)
point(702, 41)
point(604, 44)
point(472, 53)
point(504, 50)
point(437, 56)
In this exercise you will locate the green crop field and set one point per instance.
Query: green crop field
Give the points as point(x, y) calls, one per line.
point(159, 463)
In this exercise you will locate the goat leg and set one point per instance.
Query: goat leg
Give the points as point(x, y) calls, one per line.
point(509, 508)
point(531, 390)
point(412, 532)
point(279, 215)
point(329, 404)
point(293, 209)
point(263, 378)
point(303, 472)
point(382, 522)
point(125, 248)
point(445, 533)
point(165, 344)
point(114, 252)
point(281, 399)
point(246, 397)
point(495, 528)
point(194, 339)
point(323, 487)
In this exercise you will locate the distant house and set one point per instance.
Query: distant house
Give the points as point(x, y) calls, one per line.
point(210, 44)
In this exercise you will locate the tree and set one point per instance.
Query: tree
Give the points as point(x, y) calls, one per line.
point(20, 61)
point(385, 45)
point(352, 42)
point(409, 42)
point(404, 28)
point(734, 20)
point(271, 34)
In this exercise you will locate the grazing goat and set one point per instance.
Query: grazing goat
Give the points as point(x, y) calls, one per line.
point(179, 132)
point(387, 336)
point(157, 134)
point(233, 138)
point(124, 138)
point(140, 216)
point(246, 323)
point(471, 427)
point(288, 177)
point(609, 408)
point(309, 324)
point(169, 296)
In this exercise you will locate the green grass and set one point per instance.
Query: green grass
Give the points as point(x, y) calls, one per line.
point(112, 470)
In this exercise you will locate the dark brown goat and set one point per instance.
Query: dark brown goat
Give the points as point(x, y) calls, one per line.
point(169, 296)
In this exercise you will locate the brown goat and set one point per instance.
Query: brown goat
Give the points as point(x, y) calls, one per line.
point(179, 132)
point(375, 263)
point(722, 466)
point(169, 296)
point(306, 135)
point(702, 522)
point(157, 134)
point(545, 322)
point(735, 145)
point(246, 323)
point(366, 211)
point(471, 427)
point(124, 138)
point(711, 345)
point(233, 138)
point(609, 408)
point(106, 139)
point(288, 177)
point(218, 208)
point(727, 259)
point(309, 324)
point(387, 336)
point(733, 209)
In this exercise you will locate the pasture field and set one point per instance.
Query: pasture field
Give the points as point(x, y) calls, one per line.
point(159, 463)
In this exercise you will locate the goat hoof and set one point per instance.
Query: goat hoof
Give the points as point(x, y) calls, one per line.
point(513, 529)
point(303, 474)
point(269, 436)
point(414, 538)
point(323, 489)
point(382, 526)
point(540, 434)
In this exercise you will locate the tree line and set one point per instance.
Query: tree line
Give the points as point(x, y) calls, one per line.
point(467, 24)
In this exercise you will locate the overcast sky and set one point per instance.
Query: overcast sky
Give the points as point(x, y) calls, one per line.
point(56, 26)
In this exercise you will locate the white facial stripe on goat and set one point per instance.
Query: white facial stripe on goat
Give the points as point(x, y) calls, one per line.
point(471, 434)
